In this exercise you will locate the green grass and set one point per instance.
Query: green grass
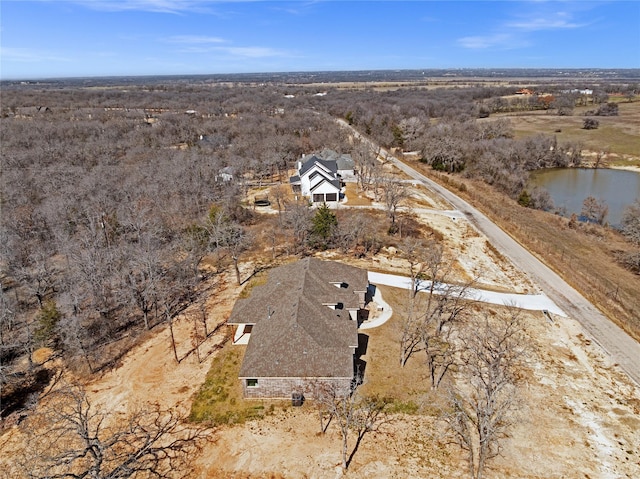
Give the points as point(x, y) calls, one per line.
point(219, 400)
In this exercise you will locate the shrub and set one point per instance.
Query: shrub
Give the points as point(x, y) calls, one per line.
point(47, 319)
point(590, 124)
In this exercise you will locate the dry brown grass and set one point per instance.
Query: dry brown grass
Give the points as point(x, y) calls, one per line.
point(355, 197)
point(408, 387)
point(583, 257)
point(617, 133)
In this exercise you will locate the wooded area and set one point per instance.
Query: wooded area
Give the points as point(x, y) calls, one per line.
point(112, 198)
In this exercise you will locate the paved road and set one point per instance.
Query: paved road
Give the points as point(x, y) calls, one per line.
point(623, 348)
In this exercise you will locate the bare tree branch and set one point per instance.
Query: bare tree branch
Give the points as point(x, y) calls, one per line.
point(70, 438)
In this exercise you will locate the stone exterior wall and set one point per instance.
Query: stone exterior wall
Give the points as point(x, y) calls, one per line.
point(271, 388)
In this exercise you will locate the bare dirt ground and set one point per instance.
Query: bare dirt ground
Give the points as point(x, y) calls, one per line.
point(580, 418)
point(579, 415)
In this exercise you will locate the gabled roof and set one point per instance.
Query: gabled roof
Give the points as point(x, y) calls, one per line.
point(295, 333)
point(310, 162)
point(335, 183)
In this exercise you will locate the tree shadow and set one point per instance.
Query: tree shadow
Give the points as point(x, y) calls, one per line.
point(25, 391)
point(256, 270)
point(361, 435)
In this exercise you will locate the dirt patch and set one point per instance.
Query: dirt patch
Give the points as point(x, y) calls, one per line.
point(579, 415)
point(576, 420)
point(150, 372)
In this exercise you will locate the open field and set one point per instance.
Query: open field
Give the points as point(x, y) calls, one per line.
point(617, 134)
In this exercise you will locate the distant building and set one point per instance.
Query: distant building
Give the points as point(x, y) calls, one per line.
point(584, 91)
point(225, 174)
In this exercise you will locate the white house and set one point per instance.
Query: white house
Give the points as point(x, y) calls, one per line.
point(317, 179)
point(225, 174)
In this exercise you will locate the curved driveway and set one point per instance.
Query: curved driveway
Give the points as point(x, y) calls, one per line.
point(624, 350)
point(533, 302)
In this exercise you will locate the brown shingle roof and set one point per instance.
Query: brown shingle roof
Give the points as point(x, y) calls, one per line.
point(295, 333)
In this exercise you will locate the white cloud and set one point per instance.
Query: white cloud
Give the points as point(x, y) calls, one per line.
point(157, 6)
point(195, 39)
point(253, 52)
point(544, 24)
point(26, 55)
point(521, 31)
point(501, 40)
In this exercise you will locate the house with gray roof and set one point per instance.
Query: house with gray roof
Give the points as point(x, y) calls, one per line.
point(317, 179)
point(344, 163)
point(302, 328)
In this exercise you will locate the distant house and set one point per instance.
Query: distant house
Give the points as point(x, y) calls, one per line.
point(320, 176)
point(301, 328)
point(225, 174)
point(580, 91)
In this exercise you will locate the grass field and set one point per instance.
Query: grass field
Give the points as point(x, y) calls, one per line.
point(619, 134)
point(407, 387)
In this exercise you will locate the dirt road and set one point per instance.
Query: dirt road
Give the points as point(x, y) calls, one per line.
point(624, 350)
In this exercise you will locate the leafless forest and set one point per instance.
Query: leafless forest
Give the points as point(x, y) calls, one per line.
point(112, 196)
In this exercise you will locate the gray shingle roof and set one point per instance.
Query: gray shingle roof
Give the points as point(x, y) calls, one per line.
point(331, 165)
point(345, 162)
point(295, 333)
point(334, 183)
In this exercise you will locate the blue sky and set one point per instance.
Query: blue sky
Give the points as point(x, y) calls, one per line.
point(49, 38)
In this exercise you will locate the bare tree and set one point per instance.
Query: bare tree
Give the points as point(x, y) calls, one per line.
point(594, 210)
point(237, 241)
point(351, 412)
point(142, 278)
point(631, 222)
point(280, 196)
point(434, 309)
point(394, 193)
point(39, 275)
point(412, 129)
point(70, 438)
point(298, 221)
point(414, 251)
point(484, 401)
point(366, 163)
point(601, 154)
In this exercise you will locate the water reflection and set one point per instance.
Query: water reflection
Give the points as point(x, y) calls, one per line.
point(570, 186)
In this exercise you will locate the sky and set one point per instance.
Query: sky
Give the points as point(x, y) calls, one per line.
point(81, 38)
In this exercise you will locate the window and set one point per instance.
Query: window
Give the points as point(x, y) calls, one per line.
point(332, 197)
point(318, 197)
point(252, 383)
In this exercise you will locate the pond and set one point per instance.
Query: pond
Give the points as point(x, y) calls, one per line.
point(569, 187)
